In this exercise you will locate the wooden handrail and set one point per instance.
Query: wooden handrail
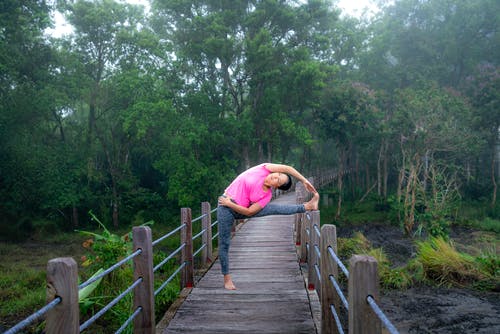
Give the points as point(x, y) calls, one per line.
point(362, 281)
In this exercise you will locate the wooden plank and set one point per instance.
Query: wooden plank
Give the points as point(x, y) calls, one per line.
point(264, 291)
point(249, 286)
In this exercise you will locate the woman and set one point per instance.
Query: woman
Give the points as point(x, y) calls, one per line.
point(248, 196)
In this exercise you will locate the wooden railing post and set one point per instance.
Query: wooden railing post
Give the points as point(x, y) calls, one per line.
point(144, 297)
point(206, 224)
point(187, 273)
point(312, 256)
point(329, 268)
point(363, 281)
point(300, 198)
point(304, 237)
point(62, 281)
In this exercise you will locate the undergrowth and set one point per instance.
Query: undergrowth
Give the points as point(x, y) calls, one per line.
point(397, 278)
point(93, 250)
point(437, 262)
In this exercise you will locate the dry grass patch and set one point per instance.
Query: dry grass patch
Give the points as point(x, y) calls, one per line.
point(443, 264)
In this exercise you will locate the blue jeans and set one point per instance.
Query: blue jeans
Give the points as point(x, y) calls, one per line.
point(226, 217)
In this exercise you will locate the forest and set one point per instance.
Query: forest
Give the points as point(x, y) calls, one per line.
point(137, 113)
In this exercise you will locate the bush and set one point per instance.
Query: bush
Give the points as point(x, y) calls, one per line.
point(489, 224)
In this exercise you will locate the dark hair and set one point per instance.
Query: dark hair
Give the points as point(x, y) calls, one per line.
point(287, 185)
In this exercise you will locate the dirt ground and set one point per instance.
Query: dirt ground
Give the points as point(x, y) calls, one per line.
point(428, 309)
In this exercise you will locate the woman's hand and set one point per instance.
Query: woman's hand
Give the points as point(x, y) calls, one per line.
point(309, 187)
point(224, 200)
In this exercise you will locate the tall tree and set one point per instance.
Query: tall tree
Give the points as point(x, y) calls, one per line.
point(114, 46)
point(241, 53)
point(25, 108)
point(483, 88)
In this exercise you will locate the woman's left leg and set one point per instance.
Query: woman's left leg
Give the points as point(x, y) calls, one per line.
point(280, 209)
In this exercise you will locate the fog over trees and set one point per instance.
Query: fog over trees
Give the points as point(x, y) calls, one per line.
point(133, 115)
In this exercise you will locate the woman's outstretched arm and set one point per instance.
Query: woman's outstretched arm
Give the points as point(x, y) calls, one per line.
point(277, 168)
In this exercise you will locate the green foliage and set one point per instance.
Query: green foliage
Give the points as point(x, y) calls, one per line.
point(489, 224)
point(489, 262)
point(348, 247)
point(23, 275)
point(105, 249)
point(397, 278)
point(390, 278)
point(20, 296)
point(130, 114)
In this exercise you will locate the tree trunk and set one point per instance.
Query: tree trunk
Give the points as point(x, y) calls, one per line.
point(246, 157)
point(399, 192)
point(495, 157)
point(115, 204)
point(358, 182)
point(385, 172)
point(269, 152)
point(340, 183)
point(409, 202)
point(493, 180)
point(260, 152)
point(468, 171)
point(367, 176)
point(426, 170)
point(340, 186)
point(74, 216)
point(379, 167)
point(91, 119)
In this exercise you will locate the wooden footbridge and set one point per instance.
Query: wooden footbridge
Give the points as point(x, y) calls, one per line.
point(271, 296)
point(285, 268)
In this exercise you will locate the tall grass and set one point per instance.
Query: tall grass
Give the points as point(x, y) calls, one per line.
point(23, 275)
point(391, 278)
point(443, 264)
point(437, 262)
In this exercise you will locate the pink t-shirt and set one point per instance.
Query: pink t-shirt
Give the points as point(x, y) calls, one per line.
point(246, 189)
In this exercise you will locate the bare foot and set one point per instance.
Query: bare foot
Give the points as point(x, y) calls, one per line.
point(228, 283)
point(313, 203)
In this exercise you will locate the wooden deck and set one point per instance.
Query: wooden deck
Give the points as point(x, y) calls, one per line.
point(271, 295)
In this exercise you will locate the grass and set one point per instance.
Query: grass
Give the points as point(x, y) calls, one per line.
point(23, 274)
point(442, 263)
point(391, 278)
point(437, 262)
point(486, 224)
